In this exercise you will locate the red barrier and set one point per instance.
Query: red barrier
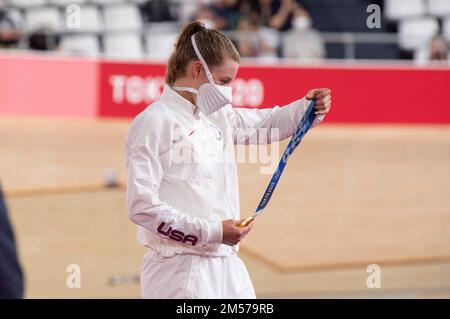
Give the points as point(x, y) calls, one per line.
point(35, 85)
point(48, 86)
point(360, 95)
point(127, 88)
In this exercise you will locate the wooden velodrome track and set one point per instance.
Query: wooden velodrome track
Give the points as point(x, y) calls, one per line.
point(351, 196)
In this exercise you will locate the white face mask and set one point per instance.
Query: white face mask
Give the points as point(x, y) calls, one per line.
point(301, 23)
point(210, 96)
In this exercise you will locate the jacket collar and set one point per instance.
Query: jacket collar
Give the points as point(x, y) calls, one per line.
point(173, 99)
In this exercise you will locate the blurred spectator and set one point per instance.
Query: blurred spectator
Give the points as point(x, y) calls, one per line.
point(302, 42)
point(436, 50)
point(10, 30)
point(226, 14)
point(256, 41)
point(11, 278)
point(270, 43)
point(207, 17)
point(275, 14)
point(158, 11)
point(247, 44)
point(44, 39)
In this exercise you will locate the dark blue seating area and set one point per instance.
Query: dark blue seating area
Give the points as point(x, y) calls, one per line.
point(351, 16)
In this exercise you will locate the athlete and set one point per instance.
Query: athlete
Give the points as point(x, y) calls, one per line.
point(182, 188)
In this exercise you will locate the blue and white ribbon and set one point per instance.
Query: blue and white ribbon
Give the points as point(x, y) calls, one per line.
point(302, 128)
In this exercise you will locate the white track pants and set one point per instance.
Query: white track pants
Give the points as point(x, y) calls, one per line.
point(190, 276)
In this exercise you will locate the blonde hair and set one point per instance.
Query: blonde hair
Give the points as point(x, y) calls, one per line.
point(213, 45)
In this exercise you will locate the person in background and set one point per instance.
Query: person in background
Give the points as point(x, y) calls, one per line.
point(207, 16)
point(255, 40)
point(439, 49)
point(11, 278)
point(10, 31)
point(434, 51)
point(276, 14)
point(226, 13)
point(248, 44)
point(44, 39)
point(302, 42)
point(158, 11)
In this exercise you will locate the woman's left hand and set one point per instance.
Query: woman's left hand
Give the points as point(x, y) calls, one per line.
point(323, 100)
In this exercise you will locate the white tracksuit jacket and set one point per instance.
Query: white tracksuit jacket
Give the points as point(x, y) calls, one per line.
point(182, 182)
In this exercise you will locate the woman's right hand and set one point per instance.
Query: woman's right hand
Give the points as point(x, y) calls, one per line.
point(232, 234)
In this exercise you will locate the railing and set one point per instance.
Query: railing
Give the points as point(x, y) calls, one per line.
point(349, 40)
